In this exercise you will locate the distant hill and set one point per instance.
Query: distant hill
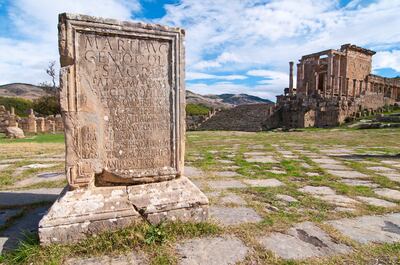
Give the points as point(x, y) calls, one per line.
point(21, 90)
point(223, 101)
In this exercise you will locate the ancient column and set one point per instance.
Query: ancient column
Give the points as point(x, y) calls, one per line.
point(340, 86)
point(291, 78)
point(332, 85)
point(325, 84)
point(354, 87)
point(347, 87)
point(361, 87)
point(306, 88)
point(316, 83)
point(31, 122)
point(124, 144)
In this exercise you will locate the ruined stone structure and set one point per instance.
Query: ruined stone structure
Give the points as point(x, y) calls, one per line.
point(123, 105)
point(30, 124)
point(333, 86)
point(195, 121)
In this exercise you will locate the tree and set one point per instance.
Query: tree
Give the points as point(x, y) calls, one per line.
point(51, 71)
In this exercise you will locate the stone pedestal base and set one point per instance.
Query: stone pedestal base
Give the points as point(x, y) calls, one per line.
point(83, 212)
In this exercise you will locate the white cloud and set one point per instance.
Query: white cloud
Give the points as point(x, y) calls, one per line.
point(25, 59)
point(199, 76)
point(387, 59)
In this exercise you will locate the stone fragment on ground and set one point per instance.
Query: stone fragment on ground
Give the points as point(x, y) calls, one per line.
point(305, 240)
point(43, 177)
point(224, 250)
point(286, 198)
point(4, 166)
point(234, 216)
point(132, 258)
point(312, 174)
point(326, 161)
point(367, 229)
point(381, 169)
point(333, 167)
point(359, 182)
point(376, 202)
point(261, 159)
point(388, 193)
point(263, 182)
point(25, 197)
point(329, 195)
point(318, 190)
point(225, 184)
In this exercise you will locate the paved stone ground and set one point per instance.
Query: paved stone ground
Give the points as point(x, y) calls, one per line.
point(272, 198)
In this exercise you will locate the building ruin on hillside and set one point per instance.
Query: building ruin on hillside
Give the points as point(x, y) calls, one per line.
point(333, 86)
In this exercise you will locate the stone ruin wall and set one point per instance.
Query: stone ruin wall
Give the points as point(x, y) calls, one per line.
point(30, 124)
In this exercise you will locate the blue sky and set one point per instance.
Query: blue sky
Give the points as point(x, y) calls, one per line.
point(232, 46)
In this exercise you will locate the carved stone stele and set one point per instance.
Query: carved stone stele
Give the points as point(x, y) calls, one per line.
point(123, 105)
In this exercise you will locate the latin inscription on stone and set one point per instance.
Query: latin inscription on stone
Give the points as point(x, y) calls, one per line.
point(125, 93)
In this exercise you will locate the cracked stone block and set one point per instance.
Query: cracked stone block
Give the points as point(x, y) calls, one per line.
point(388, 193)
point(376, 202)
point(348, 174)
point(225, 184)
point(366, 229)
point(224, 250)
point(234, 216)
point(317, 190)
point(263, 182)
point(131, 258)
point(305, 240)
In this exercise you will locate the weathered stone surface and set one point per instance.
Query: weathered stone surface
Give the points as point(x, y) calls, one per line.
point(122, 98)
point(81, 212)
point(348, 174)
point(376, 202)
point(326, 161)
point(234, 216)
point(358, 182)
point(225, 184)
point(318, 190)
point(43, 177)
point(305, 240)
point(10, 237)
point(25, 197)
point(177, 199)
point(366, 229)
point(263, 182)
point(286, 198)
point(7, 214)
point(388, 193)
point(333, 166)
point(312, 174)
point(233, 199)
point(132, 258)
point(381, 169)
point(193, 172)
point(15, 132)
point(225, 250)
point(227, 174)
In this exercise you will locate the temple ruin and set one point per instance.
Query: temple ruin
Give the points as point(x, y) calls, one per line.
point(333, 86)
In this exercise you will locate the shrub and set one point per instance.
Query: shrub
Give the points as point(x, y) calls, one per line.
point(196, 109)
point(47, 105)
point(20, 105)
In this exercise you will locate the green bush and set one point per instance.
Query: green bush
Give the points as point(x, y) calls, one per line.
point(196, 109)
point(47, 105)
point(20, 105)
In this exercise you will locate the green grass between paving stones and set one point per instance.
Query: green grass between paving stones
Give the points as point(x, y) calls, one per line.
point(155, 241)
point(38, 138)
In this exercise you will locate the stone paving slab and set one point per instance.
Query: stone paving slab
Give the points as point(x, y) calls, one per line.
point(25, 197)
point(224, 250)
point(326, 161)
point(43, 177)
point(333, 166)
point(392, 176)
point(132, 258)
point(305, 240)
point(348, 174)
point(261, 159)
point(312, 174)
point(286, 198)
point(263, 182)
point(381, 169)
point(367, 229)
point(376, 202)
point(359, 182)
point(234, 216)
point(225, 184)
point(233, 199)
point(7, 214)
point(10, 237)
point(227, 174)
point(4, 166)
point(193, 172)
point(388, 193)
point(317, 190)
